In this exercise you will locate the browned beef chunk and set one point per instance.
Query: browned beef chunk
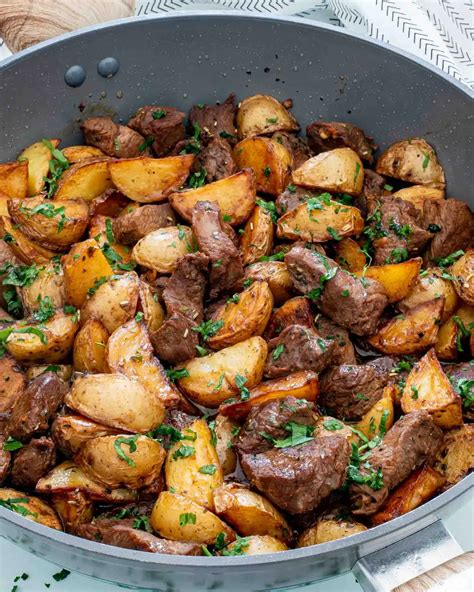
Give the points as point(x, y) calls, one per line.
point(462, 379)
point(413, 440)
point(175, 341)
point(296, 146)
point(130, 228)
point(5, 458)
point(270, 420)
point(343, 352)
point(111, 202)
point(324, 136)
point(372, 191)
point(455, 222)
point(115, 532)
point(292, 197)
point(297, 348)
point(32, 462)
point(213, 240)
point(349, 391)
point(216, 159)
point(215, 121)
point(36, 406)
point(353, 303)
point(12, 385)
point(113, 139)
point(164, 124)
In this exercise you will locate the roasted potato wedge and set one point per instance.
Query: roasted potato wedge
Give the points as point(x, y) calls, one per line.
point(114, 302)
point(49, 342)
point(86, 179)
point(396, 278)
point(456, 457)
point(263, 114)
point(301, 385)
point(225, 430)
point(54, 225)
point(153, 313)
point(14, 179)
point(122, 460)
point(329, 528)
point(78, 153)
point(130, 352)
point(64, 371)
point(116, 401)
point(417, 489)
point(71, 431)
point(30, 507)
point(463, 271)
point(147, 179)
point(256, 545)
point(257, 238)
point(235, 196)
point(412, 332)
point(270, 161)
point(446, 346)
point(246, 317)
point(295, 311)
point(38, 156)
point(277, 276)
point(329, 221)
point(89, 347)
point(25, 249)
point(74, 508)
point(249, 513)
point(337, 171)
point(349, 255)
point(212, 379)
point(414, 161)
point(428, 387)
point(49, 283)
point(68, 477)
point(85, 268)
point(418, 194)
point(161, 249)
point(179, 518)
point(378, 420)
point(195, 476)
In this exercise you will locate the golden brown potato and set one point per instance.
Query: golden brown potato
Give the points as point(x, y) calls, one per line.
point(414, 161)
point(430, 286)
point(257, 238)
point(270, 161)
point(225, 429)
point(249, 513)
point(244, 318)
point(196, 475)
point(428, 387)
point(378, 420)
point(130, 352)
point(77, 153)
point(147, 179)
point(122, 460)
point(48, 342)
point(277, 276)
point(63, 371)
point(446, 346)
point(235, 196)
point(14, 179)
point(417, 489)
point(418, 194)
point(114, 302)
point(71, 431)
point(456, 457)
point(49, 283)
point(295, 311)
point(337, 171)
point(412, 332)
point(89, 347)
point(28, 251)
point(349, 255)
point(38, 156)
point(54, 225)
point(116, 401)
point(263, 114)
point(161, 249)
point(179, 518)
point(30, 507)
point(255, 545)
point(86, 179)
point(212, 379)
point(85, 268)
point(463, 271)
point(329, 221)
point(153, 313)
point(329, 528)
point(67, 476)
point(396, 278)
point(74, 508)
point(301, 385)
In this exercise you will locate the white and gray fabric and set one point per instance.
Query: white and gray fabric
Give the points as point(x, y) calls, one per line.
point(439, 31)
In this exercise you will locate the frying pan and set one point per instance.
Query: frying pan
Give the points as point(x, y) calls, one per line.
point(184, 58)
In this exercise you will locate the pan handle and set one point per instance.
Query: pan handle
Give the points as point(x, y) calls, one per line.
point(427, 559)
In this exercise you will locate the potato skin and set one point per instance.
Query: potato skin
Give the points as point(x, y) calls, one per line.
point(329, 528)
point(260, 545)
point(257, 239)
point(89, 348)
point(349, 255)
point(263, 114)
point(161, 249)
point(38, 156)
point(25, 249)
point(40, 511)
point(418, 194)
point(74, 508)
point(382, 413)
point(463, 271)
point(63, 371)
point(396, 278)
point(456, 457)
point(48, 284)
point(77, 153)
point(165, 520)
point(99, 459)
point(87, 179)
point(277, 276)
point(71, 431)
point(14, 179)
point(225, 429)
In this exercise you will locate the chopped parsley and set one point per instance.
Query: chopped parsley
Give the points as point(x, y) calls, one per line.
point(177, 374)
point(57, 165)
point(131, 442)
point(280, 256)
point(270, 208)
point(212, 428)
point(208, 469)
point(227, 218)
point(434, 228)
point(208, 328)
point(61, 575)
point(201, 351)
point(240, 384)
point(449, 259)
point(158, 114)
point(370, 477)
point(298, 434)
point(333, 233)
point(234, 299)
point(45, 310)
point(198, 178)
point(345, 293)
point(93, 289)
point(332, 425)
point(139, 317)
point(463, 332)
point(238, 547)
point(316, 293)
point(194, 145)
point(401, 231)
point(426, 160)
point(415, 393)
point(141, 523)
point(388, 187)
point(278, 351)
point(465, 388)
point(187, 518)
point(402, 366)
point(48, 211)
point(267, 171)
point(147, 142)
point(11, 444)
point(19, 275)
point(291, 188)
point(398, 255)
point(109, 233)
point(184, 451)
point(272, 119)
point(14, 504)
point(356, 172)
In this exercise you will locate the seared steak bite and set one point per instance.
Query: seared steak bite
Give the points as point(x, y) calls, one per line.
point(164, 126)
point(113, 139)
point(324, 136)
point(216, 160)
point(215, 121)
point(130, 228)
point(32, 462)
